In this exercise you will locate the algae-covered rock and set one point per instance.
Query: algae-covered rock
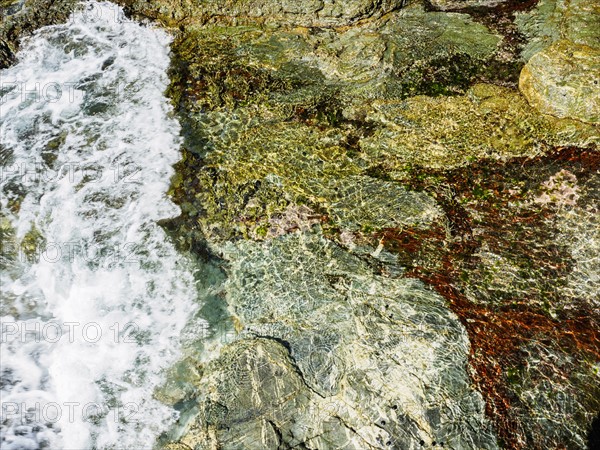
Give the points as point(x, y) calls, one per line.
point(444, 5)
point(564, 80)
point(279, 119)
point(412, 52)
point(308, 13)
point(257, 168)
point(563, 54)
point(577, 21)
point(20, 18)
point(517, 262)
point(488, 122)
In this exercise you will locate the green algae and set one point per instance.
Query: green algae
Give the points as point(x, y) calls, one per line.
point(413, 52)
point(32, 242)
point(258, 168)
point(255, 163)
point(276, 118)
point(309, 13)
point(577, 21)
point(8, 242)
point(489, 121)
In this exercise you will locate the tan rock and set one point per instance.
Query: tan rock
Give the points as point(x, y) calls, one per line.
point(564, 80)
point(319, 13)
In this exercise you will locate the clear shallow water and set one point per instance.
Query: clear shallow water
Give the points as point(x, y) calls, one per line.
point(92, 315)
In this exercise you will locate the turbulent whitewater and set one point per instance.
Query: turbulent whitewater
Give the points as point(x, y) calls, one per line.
point(94, 294)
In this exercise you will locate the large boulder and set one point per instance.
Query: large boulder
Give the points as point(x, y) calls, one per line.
point(561, 76)
point(334, 355)
point(564, 80)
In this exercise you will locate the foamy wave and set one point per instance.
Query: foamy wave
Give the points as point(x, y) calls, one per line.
point(94, 301)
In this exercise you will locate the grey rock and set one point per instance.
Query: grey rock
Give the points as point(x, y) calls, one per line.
point(332, 355)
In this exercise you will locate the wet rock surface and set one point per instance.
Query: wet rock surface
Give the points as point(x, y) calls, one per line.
point(335, 355)
point(308, 13)
point(563, 53)
point(407, 242)
point(330, 169)
point(564, 80)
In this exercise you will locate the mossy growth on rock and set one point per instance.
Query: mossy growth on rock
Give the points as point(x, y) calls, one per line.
point(8, 242)
point(576, 21)
point(308, 13)
point(447, 132)
point(257, 168)
point(252, 164)
point(412, 52)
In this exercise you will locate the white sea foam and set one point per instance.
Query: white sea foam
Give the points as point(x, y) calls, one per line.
point(90, 321)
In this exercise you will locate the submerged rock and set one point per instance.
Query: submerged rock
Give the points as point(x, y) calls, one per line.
point(523, 286)
point(564, 80)
point(331, 167)
point(447, 132)
point(561, 75)
point(333, 355)
point(308, 13)
point(577, 21)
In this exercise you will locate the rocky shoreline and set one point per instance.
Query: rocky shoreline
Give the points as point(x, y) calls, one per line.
point(403, 201)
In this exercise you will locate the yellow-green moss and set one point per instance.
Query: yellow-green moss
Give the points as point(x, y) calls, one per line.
point(446, 132)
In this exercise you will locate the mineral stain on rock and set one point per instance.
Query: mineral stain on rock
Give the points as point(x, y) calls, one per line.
point(507, 271)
